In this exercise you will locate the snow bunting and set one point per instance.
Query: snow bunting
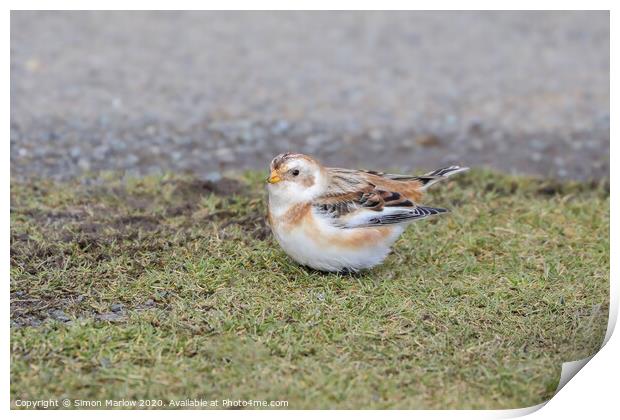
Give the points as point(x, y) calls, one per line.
point(334, 219)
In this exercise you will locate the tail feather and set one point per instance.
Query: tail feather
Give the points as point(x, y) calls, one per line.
point(438, 175)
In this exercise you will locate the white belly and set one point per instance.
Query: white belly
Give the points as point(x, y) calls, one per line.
point(328, 248)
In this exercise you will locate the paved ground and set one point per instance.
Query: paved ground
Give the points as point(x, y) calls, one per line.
point(210, 92)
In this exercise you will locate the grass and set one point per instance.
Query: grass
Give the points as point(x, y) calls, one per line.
point(172, 288)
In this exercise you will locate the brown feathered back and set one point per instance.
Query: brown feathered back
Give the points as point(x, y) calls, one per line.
point(347, 181)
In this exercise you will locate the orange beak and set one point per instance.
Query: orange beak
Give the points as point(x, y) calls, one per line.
point(274, 178)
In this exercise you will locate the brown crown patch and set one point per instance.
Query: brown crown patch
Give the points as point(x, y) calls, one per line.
point(280, 160)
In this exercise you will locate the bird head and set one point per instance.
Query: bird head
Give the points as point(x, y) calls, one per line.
point(295, 177)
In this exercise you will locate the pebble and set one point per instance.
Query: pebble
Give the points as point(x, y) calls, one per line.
point(475, 126)
point(101, 152)
point(375, 135)
point(84, 164)
point(117, 145)
point(131, 160)
point(499, 136)
point(428, 140)
point(476, 144)
point(59, 315)
point(225, 155)
point(213, 176)
point(537, 144)
point(449, 159)
point(450, 120)
point(110, 317)
point(280, 127)
point(316, 141)
point(246, 136)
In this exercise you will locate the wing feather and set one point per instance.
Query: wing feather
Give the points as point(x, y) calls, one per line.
point(367, 198)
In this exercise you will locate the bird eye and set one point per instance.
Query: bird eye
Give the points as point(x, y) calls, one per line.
point(295, 172)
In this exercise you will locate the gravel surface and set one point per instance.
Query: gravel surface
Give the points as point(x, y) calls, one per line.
point(210, 92)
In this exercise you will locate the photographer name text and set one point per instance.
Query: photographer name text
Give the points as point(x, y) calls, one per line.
point(147, 403)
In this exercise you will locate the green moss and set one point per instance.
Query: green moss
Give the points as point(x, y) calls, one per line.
point(477, 309)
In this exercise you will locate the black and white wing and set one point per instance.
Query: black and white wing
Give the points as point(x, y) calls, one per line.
point(359, 203)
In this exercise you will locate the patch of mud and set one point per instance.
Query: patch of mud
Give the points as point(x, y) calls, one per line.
point(32, 311)
point(50, 217)
point(255, 225)
point(196, 188)
point(545, 187)
point(501, 190)
point(139, 222)
point(105, 223)
point(187, 193)
point(33, 256)
point(111, 317)
point(552, 188)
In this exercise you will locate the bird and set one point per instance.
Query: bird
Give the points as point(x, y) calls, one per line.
point(343, 220)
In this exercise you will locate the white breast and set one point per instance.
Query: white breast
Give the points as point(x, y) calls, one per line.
point(316, 243)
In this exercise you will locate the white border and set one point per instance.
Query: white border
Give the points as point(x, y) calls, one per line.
point(591, 393)
point(308, 5)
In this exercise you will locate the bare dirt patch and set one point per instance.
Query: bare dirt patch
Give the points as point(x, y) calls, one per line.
point(102, 224)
